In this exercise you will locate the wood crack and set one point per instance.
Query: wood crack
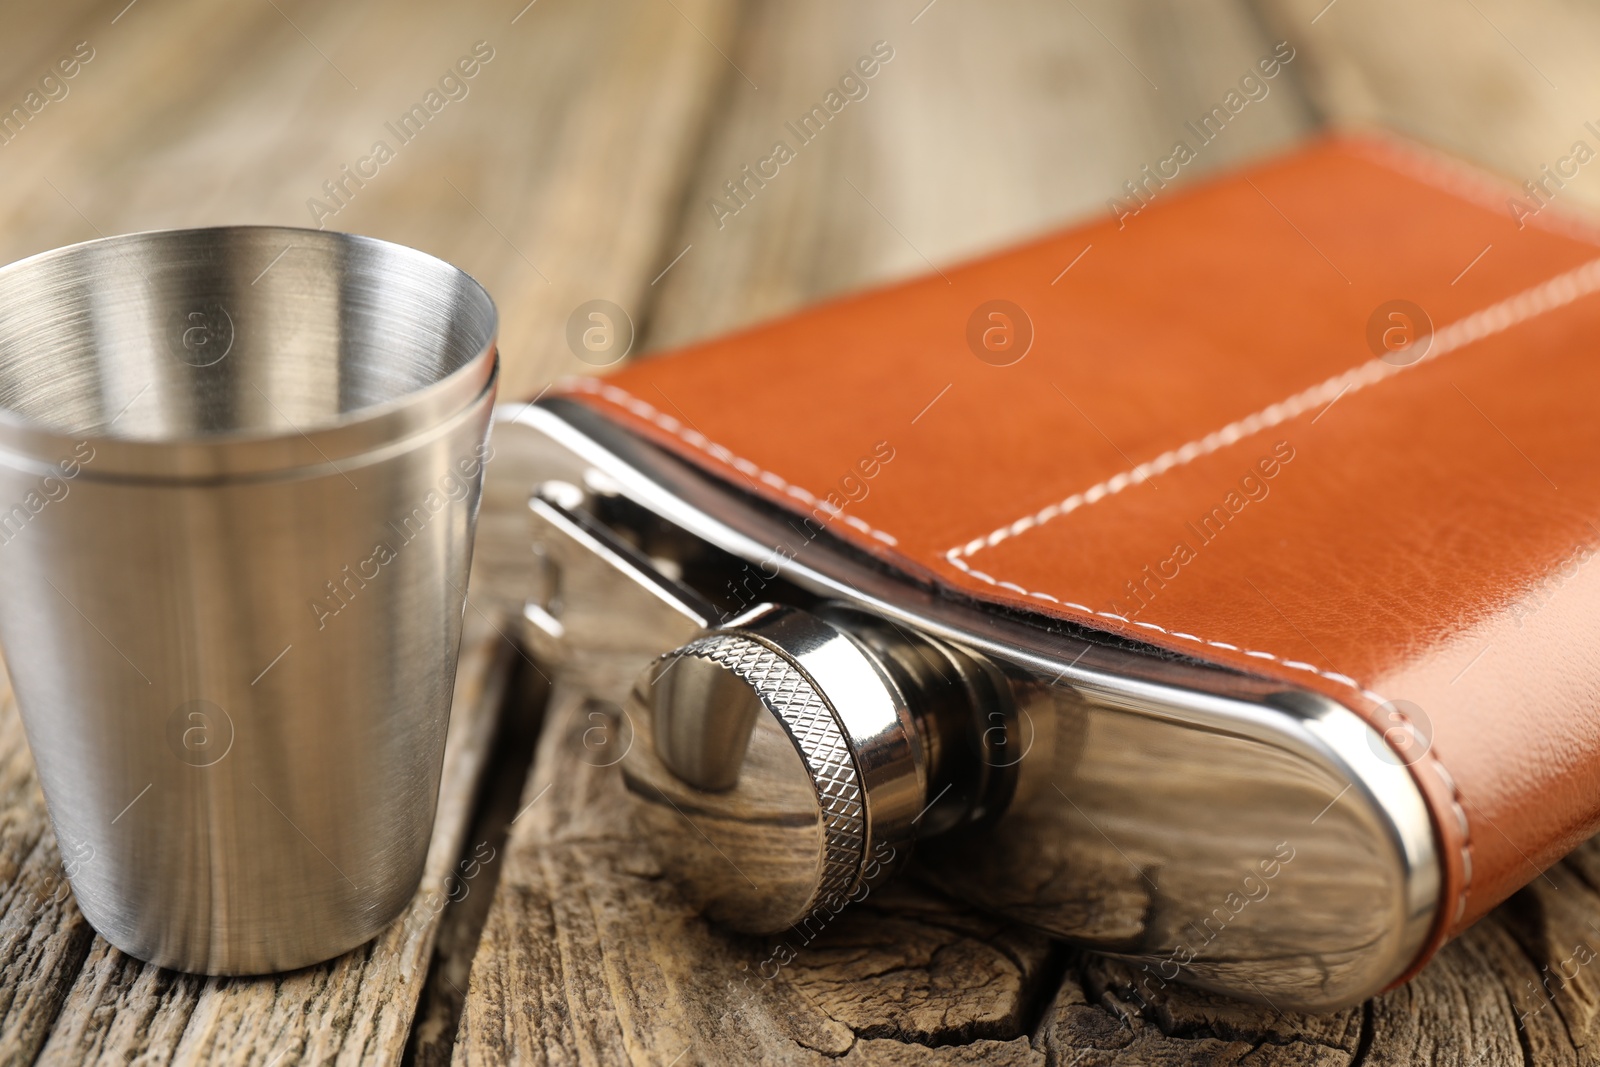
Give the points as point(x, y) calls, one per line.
point(443, 994)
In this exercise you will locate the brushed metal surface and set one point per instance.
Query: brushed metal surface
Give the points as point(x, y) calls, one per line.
point(239, 475)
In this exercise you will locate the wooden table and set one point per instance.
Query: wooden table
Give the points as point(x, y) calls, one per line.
point(579, 162)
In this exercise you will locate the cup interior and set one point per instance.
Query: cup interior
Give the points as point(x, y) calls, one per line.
point(251, 331)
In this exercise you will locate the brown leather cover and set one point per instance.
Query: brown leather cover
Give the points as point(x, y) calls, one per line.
point(1202, 451)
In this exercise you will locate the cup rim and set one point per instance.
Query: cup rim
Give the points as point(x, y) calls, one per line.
point(255, 452)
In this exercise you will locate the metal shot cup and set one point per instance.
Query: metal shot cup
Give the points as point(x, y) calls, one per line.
point(239, 475)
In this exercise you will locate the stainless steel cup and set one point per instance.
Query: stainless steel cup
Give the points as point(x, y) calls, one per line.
point(239, 474)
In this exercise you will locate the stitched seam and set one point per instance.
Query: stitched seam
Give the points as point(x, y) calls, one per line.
point(1550, 295)
point(1555, 293)
point(697, 440)
point(1449, 175)
point(1456, 807)
point(1299, 665)
point(1547, 296)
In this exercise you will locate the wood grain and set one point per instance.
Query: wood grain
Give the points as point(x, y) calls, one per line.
point(43, 938)
point(582, 164)
point(551, 180)
point(989, 125)
point(438, 1015)
point(590, 956)
point(1510, 85)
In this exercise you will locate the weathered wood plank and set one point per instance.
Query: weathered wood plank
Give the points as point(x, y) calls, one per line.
point(551, 179)
point(1487, 999)
point(988, 125)
point(43, 938)
point(439, 1011)
point(568, 159)
point(1510, 84)
point(590, 956)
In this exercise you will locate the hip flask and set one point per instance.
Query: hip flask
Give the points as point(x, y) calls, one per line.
point(1187, 604)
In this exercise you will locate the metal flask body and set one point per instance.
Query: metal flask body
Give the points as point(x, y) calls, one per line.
point(239, 477)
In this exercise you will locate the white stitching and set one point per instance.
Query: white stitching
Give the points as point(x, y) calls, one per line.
point(643, 409)
point(1554, 293)
point(695, 439)
point(1547, 296)
point(1340, 679)
point(1445, 173)
point(1460, 812)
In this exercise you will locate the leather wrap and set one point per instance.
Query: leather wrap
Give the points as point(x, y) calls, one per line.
point(1202, 450)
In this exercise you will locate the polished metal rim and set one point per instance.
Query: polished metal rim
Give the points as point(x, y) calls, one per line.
point(246, 453)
